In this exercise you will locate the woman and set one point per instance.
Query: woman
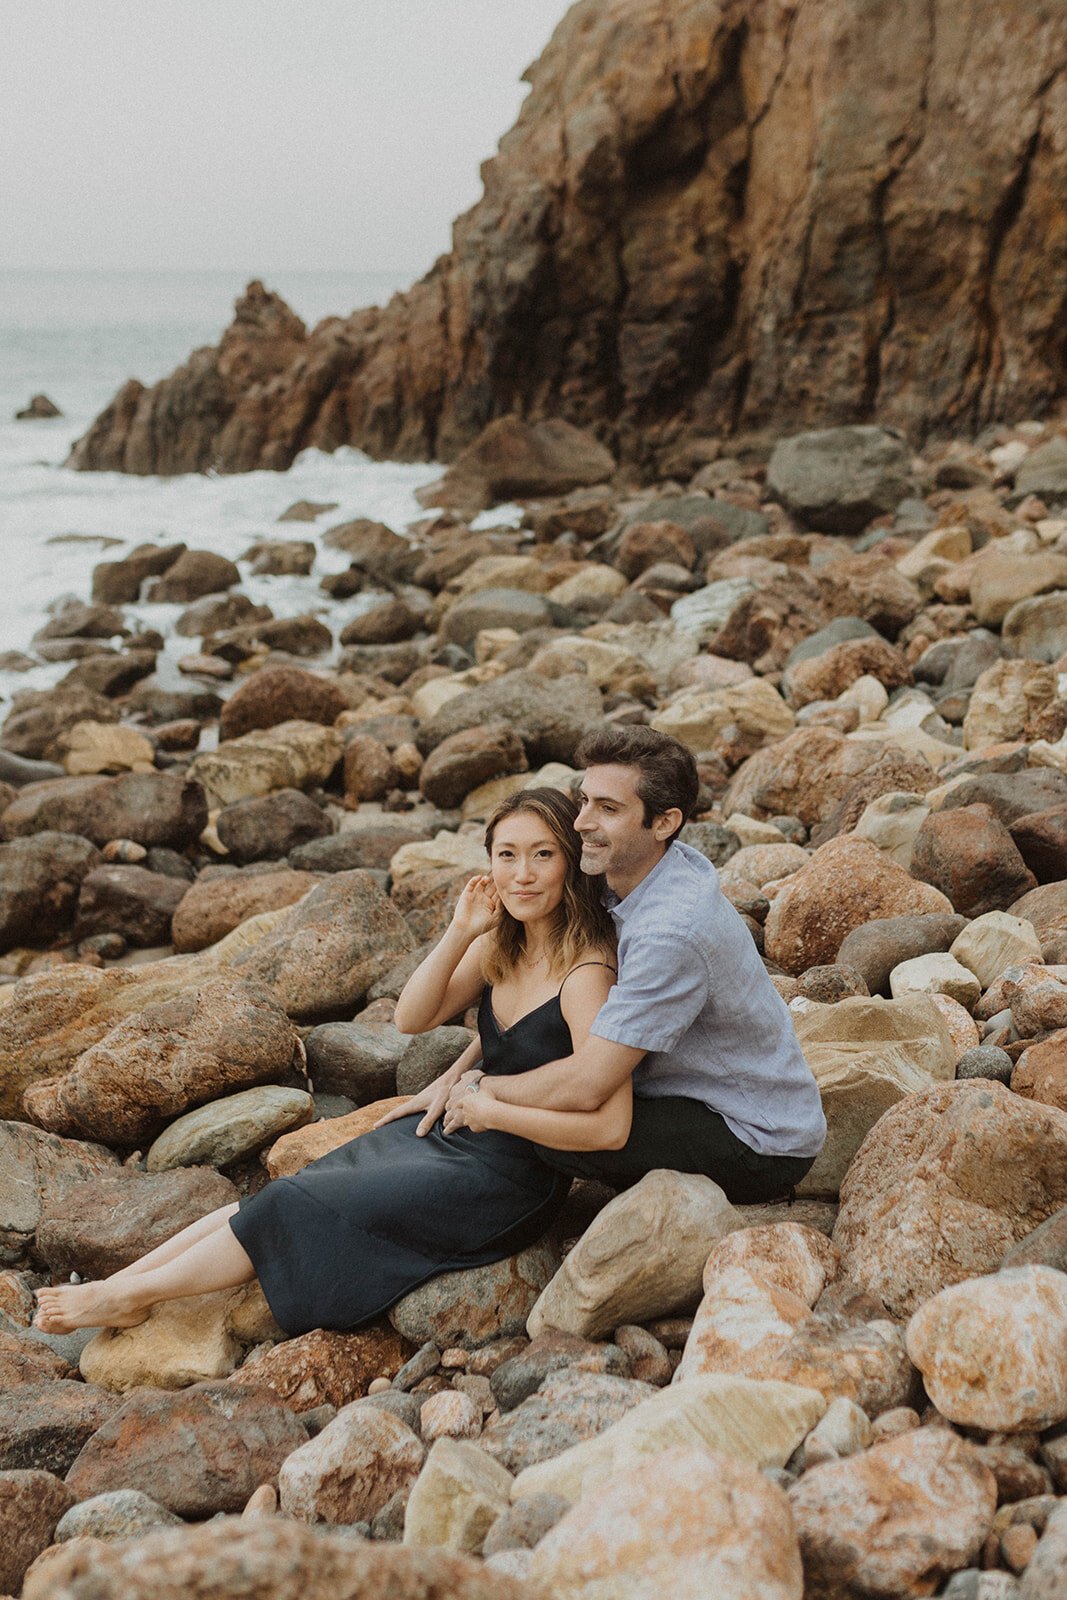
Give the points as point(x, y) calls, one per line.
point(338, 1242)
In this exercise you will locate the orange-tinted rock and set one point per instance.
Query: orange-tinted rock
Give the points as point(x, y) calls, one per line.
point(265, 1558)
point(279, 694)
point(894, 1520)
point(689, 1522)
point(798, 1259)
point(993, 1350)
point(1041, 1071)
point(213, 907)
point(826, 676)
point(944, 1182)
point(31, 1504)
point(324, 1368)
point(811, 773)
point(202, 1450)
point(352, 1468)
point(294, 1150)
point(971, 857)
point(205, 1042)
point(104, 1224)
point(847, 883)
point(24, 1360)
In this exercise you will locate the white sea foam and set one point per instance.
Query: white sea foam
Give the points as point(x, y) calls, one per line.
point(77, 338)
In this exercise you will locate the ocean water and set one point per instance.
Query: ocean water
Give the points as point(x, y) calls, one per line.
point(77, 337)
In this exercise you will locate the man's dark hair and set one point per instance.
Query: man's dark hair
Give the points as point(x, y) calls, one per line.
point(666, 770)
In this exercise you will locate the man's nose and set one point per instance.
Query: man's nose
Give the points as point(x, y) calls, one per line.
point(581, 818)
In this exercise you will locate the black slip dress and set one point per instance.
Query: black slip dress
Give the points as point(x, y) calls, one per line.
point(343, 1239)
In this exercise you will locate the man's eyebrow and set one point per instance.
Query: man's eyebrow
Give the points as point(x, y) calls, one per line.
point(606, 799)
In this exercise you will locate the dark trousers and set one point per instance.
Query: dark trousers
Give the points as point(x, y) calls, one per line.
point(685, 1136)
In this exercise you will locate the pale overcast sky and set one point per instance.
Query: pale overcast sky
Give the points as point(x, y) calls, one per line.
point(333, 134)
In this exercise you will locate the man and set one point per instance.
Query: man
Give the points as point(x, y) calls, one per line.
point(720, 1084)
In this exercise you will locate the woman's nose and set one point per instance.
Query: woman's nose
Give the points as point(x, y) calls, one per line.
point(524, 871)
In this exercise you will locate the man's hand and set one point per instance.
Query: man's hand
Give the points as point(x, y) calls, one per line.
point(463, 1091)
point(431, 1101)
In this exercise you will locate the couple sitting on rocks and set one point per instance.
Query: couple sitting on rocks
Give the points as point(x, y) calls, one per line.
point(684, 1057)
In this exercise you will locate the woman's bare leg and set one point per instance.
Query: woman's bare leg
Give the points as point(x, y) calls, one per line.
point(216, 1261)
point(180, 1242)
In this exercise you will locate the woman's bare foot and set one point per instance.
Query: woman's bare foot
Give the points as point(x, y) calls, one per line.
point(107, 1304)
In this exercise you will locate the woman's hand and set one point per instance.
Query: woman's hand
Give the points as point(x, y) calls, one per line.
point(431, 1101)
point(461, 1111)
point(477, 908)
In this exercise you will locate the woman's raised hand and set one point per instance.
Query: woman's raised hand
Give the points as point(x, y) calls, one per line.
point(477, 908)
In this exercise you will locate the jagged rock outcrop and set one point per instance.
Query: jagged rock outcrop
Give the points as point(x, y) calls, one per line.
point(710, 215)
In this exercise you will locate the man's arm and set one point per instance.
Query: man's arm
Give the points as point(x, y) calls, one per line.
point(578, 1082)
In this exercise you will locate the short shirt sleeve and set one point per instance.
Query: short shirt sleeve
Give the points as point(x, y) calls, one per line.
point(663, 986)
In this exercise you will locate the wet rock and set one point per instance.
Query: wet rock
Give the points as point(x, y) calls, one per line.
point(151, 808)
point(44, 1425)
point(327, 951)
point(898, 1517)
point(31, 1504)
point(40, 878)
point(117, 583)
point(845, 884)
point(39, 408)
point(569, 1407)
point(280, 558)
point(130, 901)
point(465, 759)
point(993, 1350)
point(281, 694)
point(512, 458)
point(351, 1469)
point(839, 479)
point(217, 613)
point(228, 1130)
point(102, 1224)
point(167, 1058)
point(39, 717)
point(179, 1447)
point(877, 946)
point(195, 573)
point(269, 826)
point(471, 1307)
point(213, 907)
point(982, 1167)
point(641, 1257)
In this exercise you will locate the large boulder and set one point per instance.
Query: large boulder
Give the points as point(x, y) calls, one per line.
point(223, 1035)
point(131, 901)
point(689, 1522)
point(151, 808)
point(813, 771)
point(945, 1181)
point(617, 275)
point(866, 1055)
point(37, 1169)
point(40, 877)
point(512, 459)
point(550, 715)
point(328, 950)
point(269, 826)
point(476, 1305)
point(105, 1223)
point(847, 883)
point(895, 1519)
point(292, 755)
point(969, 855)
point(838, 479)
point(213, 907)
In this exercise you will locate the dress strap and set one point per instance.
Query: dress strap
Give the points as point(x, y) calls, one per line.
point(582, 964)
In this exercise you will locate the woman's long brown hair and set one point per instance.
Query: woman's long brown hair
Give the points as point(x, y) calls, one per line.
point(580, 922)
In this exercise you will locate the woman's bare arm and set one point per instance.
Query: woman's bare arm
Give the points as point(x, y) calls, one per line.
point(450, 978)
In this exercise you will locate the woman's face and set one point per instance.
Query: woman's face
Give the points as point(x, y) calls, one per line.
point(529, 866)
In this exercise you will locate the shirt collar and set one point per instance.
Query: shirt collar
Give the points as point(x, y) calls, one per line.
point(623, 907)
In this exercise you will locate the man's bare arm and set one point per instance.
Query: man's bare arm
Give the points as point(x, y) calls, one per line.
point(578, 1082)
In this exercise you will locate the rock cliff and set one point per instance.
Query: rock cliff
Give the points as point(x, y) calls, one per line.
point(711, 215)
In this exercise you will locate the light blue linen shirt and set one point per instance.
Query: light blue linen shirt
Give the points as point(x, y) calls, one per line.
point(694, 994)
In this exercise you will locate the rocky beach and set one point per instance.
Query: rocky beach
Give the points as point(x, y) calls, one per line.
point(720, 460)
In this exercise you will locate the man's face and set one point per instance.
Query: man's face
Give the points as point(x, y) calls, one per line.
point(611, 823)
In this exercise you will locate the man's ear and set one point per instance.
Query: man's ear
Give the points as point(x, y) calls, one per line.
point(667, 823)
